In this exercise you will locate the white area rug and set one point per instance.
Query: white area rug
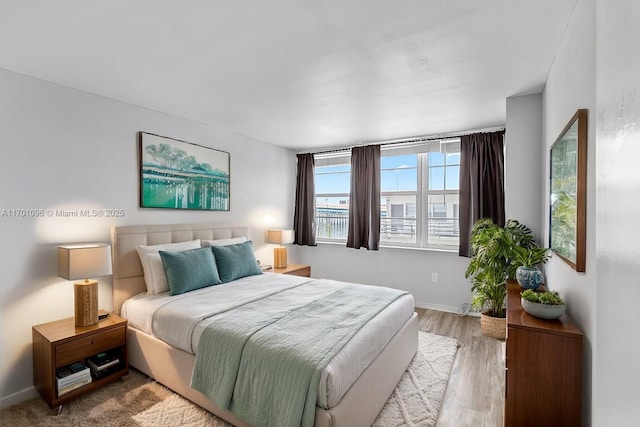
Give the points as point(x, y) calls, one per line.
point(139, 402)
point(418, 397)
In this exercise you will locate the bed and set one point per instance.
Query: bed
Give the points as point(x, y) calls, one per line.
point(356, 403)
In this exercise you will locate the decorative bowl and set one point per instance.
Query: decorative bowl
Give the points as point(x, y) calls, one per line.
point(543, 311)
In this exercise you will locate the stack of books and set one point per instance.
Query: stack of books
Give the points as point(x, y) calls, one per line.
point(69, 378)
point(103, 364)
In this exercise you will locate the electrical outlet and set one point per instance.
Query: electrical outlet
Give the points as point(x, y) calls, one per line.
point(434, 277)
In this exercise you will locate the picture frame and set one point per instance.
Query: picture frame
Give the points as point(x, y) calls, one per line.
point(176, 174)
point(568, 191)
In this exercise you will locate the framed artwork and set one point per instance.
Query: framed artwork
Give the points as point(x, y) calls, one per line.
point(568, 188)
point(176, 174)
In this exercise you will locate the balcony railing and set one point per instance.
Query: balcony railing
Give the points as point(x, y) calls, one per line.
point(332, 225)
point(398, 229)
point(392, 229)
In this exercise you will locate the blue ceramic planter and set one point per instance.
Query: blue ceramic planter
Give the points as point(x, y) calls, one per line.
point(529, 277)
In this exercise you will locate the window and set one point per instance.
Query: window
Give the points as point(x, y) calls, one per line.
point(333, 181)
point(419, 195)
point(398, 199)
point(442, 194)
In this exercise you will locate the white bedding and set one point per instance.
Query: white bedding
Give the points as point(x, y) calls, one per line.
point(179, 320)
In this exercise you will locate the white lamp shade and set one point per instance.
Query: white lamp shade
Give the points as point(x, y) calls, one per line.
point(82, 261)
point(281, 237)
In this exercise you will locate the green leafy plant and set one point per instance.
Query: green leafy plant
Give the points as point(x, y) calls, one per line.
point(489, 287)
point(530, 295)
point(493, 262)
point(547, 297)
point(493, 245)
point(530, 257)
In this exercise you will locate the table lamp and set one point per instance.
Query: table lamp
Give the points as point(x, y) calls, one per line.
point(81, 261)
point(281, 237)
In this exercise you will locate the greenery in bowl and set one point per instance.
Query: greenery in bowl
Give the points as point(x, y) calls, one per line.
point(547, 297)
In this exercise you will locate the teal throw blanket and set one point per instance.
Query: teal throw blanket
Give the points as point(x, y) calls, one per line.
point(264, 363)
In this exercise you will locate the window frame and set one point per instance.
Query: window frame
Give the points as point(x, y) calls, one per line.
point(421, 194)
point(333, 162)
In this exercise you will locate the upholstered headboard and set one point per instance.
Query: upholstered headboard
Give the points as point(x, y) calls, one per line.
point(128, 277)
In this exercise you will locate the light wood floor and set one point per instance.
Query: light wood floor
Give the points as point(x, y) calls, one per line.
point(475, 394)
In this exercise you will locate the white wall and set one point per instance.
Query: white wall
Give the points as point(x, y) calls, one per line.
point(66, 149)
point(523, 161)
point(405, 269)
point(617, 292)
point(570, 86)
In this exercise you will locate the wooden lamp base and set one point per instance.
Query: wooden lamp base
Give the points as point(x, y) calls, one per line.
point(280, 257)
point(86, 302)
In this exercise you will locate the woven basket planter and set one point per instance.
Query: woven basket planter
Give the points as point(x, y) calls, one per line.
point(495, 327)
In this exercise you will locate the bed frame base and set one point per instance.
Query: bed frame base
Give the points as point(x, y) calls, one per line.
point(359, 406)
point(172, 367)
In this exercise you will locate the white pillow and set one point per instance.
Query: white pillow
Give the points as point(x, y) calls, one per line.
point(154, 275)
point(224, 242)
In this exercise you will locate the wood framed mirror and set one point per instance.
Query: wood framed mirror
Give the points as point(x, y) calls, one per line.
point(568, 192)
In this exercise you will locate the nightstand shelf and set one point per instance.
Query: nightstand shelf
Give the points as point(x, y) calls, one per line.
point(294, 270)
point(60, 343)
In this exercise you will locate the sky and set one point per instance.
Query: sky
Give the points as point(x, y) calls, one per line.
point(399, 173)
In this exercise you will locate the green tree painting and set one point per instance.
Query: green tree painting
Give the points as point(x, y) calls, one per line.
point(181, 175)
point(564, 169)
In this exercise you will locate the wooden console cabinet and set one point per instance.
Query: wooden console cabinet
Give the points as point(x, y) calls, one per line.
point(543, 368)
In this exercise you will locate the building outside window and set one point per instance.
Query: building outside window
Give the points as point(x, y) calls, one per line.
point(398, 199)
point(419, 205)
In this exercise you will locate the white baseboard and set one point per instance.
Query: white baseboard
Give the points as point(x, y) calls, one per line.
point(21, 396)
point(445, 308)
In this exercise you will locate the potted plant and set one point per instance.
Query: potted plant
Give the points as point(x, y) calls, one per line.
point(492, 263)
point(545, 305)
point(489, 287)
point(528, 274)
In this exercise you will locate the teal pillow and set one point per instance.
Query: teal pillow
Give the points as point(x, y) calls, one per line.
point(236, 261)
point(189, 270)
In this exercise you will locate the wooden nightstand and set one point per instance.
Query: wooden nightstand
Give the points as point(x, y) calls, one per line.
point(61, 343)
point(294, 270)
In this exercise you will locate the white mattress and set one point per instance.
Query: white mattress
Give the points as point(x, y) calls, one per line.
point(179, 320)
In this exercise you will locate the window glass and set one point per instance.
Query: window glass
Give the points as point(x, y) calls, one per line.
point(397, 219)
point(332, 179)
point(419, 200)
point(443, 219)
point(332, 217)
point(332, 185)
point(436, 159)
point(399, 173)
point(453, 158)
point(436, 178)
point(452, 178)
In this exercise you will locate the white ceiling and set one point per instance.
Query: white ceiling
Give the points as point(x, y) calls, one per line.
point(297, 73)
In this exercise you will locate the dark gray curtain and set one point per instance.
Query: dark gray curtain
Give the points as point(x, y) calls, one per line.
point(304, 216)
point(364, 198)
point(481, 182)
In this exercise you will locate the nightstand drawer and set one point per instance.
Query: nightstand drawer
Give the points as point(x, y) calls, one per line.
point(294, 270)
point(304, 272)
point(88, 346)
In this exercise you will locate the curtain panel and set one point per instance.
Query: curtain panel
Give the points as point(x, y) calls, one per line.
point(364, 198)
point(481, 182)
point(304, 216)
